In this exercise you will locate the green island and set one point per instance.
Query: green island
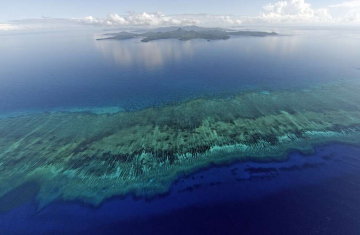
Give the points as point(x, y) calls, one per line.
point(186, 33)
point(90, 157)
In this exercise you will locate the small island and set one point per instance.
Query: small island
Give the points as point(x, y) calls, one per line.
point(185, 34)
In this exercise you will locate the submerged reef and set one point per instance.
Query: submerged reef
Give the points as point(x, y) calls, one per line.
point(91, 157)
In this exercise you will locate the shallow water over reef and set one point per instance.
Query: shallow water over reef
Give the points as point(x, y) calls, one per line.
point(91, 157)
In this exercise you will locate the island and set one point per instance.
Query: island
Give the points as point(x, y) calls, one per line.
point(185, 34)
point(90, 157)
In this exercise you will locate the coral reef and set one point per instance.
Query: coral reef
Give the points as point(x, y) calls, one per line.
point(91, 157)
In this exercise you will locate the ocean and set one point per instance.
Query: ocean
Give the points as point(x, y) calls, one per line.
point(71, 70)
point(304, 192)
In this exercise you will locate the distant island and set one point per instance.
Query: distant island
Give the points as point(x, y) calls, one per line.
point(186, 33)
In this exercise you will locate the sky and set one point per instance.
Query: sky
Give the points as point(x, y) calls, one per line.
point(33, 14)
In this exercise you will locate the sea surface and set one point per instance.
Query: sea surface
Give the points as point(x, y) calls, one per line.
point(317, 193)
point(70, 70)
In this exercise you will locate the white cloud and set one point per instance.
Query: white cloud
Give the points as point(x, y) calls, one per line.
point(350, 18)
point(131, 20)
point(348, 4)
point(7, 27)
point(299, 11)
point(285, 11)
point(347, 12)
point(277, 8)
point(294, 11)
point(142, 19)
point(225, 19)
point(35, 24)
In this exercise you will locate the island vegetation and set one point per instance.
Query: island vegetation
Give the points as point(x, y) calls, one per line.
point(185, 34)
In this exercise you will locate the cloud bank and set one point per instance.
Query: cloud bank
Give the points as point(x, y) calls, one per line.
point(7, 27)
point(350, 4)
point(281, 12)
point(143, 19)
point(299, 11)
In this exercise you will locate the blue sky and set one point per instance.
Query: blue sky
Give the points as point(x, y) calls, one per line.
point(224, 11)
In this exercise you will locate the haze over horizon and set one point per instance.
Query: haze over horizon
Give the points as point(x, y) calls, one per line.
point(40, 14)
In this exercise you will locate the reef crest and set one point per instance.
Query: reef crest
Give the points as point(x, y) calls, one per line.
point(91, 157)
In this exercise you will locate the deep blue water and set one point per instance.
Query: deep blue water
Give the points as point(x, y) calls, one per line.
point(316, 194)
